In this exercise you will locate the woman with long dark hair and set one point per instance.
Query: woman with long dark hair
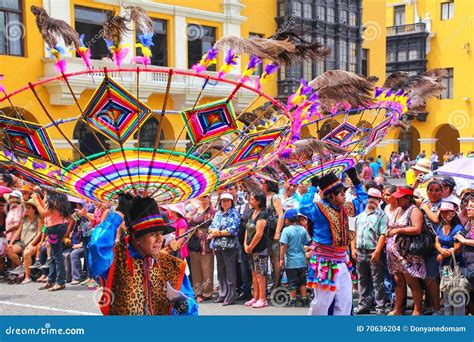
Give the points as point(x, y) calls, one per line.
point(256, 248)
point(54, 209)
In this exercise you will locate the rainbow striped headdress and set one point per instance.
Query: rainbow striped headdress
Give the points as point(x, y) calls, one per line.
point(145, 217)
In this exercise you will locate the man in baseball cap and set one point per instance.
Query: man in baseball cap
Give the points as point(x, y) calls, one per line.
point(449, 184)
point(293, 257)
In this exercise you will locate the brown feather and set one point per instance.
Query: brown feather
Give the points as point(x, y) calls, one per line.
point(248, 118)
point(251, 185)
point(115, 27)
point(438, 74)
point(305, 50)
point(395, 80)
point(337, 86)
point(141, 18)
point(51, 29)
point(419, 87)
point(282, 167)
point(306, 148)
point(283, 52)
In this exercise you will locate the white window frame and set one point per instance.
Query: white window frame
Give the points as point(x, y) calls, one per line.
point(447, 10)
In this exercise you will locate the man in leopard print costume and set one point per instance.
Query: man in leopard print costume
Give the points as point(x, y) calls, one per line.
point(329, 273)
point(137, 278)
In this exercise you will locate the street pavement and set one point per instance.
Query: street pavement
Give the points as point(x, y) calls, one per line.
point(78, 300)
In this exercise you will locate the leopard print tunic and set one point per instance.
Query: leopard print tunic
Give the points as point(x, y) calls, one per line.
point(125, 294)
point(341, 235)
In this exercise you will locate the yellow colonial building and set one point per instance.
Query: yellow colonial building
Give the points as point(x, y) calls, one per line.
point(184, 30)
point(428, 34)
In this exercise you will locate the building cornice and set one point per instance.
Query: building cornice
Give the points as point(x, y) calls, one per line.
point(182, 11)
point(399, 3)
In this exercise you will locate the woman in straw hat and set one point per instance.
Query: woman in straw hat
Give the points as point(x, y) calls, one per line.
point(26, 238)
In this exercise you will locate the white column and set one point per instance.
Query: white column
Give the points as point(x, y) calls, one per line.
point(58, 10)
point(431, 34)
point(180, 42)
point(232, 9)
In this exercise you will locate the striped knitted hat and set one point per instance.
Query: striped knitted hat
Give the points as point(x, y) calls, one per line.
point(145, 217)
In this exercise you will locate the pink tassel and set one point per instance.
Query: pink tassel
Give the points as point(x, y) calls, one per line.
point(119, 56)
point(141, 60)
point(2, 88)
point(61, 65)
point(85, 54)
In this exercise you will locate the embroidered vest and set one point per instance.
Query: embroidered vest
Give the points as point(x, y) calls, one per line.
point(341, 235)
point(125, 292)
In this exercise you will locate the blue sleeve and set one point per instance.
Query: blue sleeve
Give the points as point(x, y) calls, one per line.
point(457, 229)
point(101, 246)
point(360, 202)
point(234, 223)
point(215, 221)
point(187, 290)
point(307, 206)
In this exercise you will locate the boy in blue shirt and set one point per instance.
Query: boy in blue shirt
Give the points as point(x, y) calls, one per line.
point(292, 255)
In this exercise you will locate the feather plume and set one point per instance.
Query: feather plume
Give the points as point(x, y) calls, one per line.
point(270, 173)
point(438, 74)
point(396, 80)
point(306, 148)
point(84, 52)
point(248, 118)
point(283, 52)
point(114, 28)
point(51, 29)
point(419, 88)
point(335, 87)
point(304, 50)
point(282, 167)
point(220, 144)
point(251, 185)
point(141, 19)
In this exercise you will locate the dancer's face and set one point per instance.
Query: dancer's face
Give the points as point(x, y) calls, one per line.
point(339, 197)
point(150, 244)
